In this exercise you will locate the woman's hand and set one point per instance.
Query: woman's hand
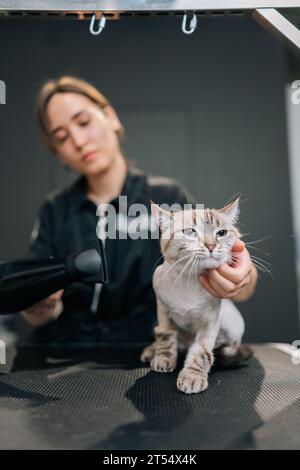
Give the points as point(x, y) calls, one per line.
point(45, 310)
point(236, 282)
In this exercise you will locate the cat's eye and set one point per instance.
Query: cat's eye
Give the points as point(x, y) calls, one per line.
point(222, 233)
point(189, 232)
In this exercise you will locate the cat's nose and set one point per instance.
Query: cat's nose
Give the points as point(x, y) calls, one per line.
point(210, 248)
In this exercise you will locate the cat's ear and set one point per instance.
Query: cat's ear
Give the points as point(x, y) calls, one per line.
point(163, 218)
point(232, 210)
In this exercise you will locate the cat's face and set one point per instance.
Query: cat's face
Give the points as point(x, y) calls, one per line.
point(206, 236)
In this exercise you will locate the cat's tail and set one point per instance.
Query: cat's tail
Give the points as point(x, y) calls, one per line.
point(231, 354)
point(148, 353)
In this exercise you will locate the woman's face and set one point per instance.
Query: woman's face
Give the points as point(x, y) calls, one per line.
point(83, 135)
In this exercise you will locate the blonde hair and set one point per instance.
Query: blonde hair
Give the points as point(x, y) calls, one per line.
point(64, 84)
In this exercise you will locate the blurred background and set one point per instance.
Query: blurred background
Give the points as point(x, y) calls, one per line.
point(212, 109)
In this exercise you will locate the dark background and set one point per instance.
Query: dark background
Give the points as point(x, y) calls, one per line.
point(207, 109)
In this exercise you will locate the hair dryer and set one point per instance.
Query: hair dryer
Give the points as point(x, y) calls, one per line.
point(25, 282)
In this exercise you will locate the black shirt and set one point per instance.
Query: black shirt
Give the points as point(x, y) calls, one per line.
point(126, 309)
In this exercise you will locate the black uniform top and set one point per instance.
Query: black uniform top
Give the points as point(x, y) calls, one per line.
point(126, 309)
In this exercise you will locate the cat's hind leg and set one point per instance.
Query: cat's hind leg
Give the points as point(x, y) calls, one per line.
point(231, 354)
point(229, 349)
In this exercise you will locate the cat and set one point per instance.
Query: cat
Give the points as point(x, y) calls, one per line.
point(193, 241)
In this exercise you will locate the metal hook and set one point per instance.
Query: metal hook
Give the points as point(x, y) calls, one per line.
point(101, 25)
point(193, 24)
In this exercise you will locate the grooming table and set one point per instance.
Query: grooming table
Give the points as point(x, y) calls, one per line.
point(103, 397)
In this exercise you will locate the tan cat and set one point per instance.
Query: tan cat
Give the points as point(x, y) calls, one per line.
point(193, 241)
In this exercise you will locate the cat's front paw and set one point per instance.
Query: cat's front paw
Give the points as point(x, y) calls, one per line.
point(189, 381)
point(163, 363)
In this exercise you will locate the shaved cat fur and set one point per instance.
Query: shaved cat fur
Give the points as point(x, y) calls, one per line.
point(189, 317)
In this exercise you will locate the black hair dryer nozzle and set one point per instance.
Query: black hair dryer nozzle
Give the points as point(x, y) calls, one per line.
point(25, 282)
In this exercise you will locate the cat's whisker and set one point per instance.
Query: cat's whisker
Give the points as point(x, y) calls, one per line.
point(257, 263)
point(261, 264)
point(179, 275)
point(197, 262)
point(260, 240)
point(258, 249)
point(193, 266)
point(240, 223)
point(245, 234)
point(181, 272)
point(191, 271)
point(194, 270)
point(161, 257)
point(262, 267)
point(197, 270)
point(260, 259)
point(174, 264)
point(265, 270)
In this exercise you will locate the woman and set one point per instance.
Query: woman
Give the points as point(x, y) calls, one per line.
point(81, 127)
